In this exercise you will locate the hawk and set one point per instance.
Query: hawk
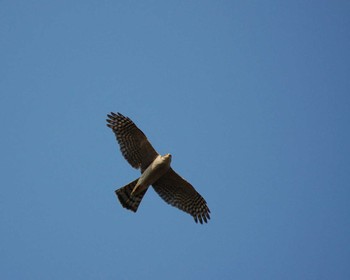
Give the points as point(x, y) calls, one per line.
point(155, 171)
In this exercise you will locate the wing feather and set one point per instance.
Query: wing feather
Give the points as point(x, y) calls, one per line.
point(134, 145)
point(176, 191)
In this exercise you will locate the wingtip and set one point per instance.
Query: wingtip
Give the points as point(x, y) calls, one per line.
point(202, 218)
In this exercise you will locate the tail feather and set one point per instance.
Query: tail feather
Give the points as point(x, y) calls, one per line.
point(127, 200)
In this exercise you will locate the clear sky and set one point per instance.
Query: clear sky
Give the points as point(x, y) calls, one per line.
point(252, 100)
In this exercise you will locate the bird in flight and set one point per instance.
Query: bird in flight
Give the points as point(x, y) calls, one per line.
point(155, 171)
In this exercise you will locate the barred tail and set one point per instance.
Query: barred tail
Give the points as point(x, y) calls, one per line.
point(127, 200)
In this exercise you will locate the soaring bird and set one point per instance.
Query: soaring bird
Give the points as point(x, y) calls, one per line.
point(155, 171)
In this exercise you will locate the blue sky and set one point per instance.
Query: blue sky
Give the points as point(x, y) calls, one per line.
point(252, 100)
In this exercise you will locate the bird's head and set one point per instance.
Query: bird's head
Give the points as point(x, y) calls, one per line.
point(167, 157)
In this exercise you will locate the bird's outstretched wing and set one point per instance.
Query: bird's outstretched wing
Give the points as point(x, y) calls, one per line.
point(179, 193)
point(135, 147)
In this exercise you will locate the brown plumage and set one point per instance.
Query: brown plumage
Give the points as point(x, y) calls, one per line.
point(155, 171)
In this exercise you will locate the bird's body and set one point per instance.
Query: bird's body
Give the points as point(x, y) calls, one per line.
point(155, 171)
point(152, 173)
